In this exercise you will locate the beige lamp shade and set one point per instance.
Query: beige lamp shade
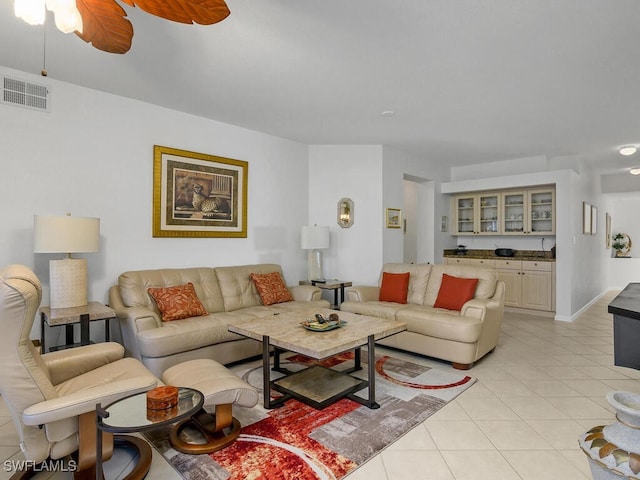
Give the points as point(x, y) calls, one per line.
point(315, 237)
point(66, 234)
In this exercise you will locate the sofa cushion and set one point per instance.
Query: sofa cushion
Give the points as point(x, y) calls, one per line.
point(237, 289)
point(487, 280)
point(418, 277)
point(271, 288)
point(133, 286)
point(441, 323)
point(178, 302)
point(455, 292)
point(187, 334)
point(386, 310)
point(394, 287)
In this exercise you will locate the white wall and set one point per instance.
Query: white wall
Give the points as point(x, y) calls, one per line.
point(353, 171)
point(92, 155)
point(398, 166)
point(623, 208)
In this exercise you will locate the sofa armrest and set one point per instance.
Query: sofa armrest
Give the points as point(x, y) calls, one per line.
point(66, 364)
point(132, 320)
point(363, 293)
point(305, 293)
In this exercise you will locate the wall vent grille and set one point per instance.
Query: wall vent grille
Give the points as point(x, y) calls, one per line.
point(25, 94)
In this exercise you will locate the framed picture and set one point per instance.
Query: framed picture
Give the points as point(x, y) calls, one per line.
point(594, 220)
point(586, 218)
point(608, 230)
point(444, 223)
point(198, 195)
point(394, 218)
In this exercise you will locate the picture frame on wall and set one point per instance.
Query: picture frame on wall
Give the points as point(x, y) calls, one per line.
point(198, 195)
point(393, 218)
point(444, 223)
point(594, 220)
point(586, 218)
point(607, 219)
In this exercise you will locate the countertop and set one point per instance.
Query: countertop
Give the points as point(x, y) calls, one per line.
point(526, 255)
point(627, 303)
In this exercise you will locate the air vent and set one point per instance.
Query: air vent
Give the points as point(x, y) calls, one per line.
point(25, 94)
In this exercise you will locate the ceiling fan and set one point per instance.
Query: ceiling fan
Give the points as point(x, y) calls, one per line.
point(103, 23)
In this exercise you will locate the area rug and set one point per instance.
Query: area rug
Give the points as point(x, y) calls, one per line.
point(298, 442)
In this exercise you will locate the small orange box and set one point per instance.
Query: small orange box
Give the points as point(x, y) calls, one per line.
point(161, 398)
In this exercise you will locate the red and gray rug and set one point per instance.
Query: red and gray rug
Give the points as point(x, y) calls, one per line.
point(299, 442)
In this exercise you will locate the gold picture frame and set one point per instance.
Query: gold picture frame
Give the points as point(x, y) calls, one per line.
point(393, 218)
point(198, 195)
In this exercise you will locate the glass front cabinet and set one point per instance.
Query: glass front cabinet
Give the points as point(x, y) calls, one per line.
point(510, 212)
point(529, 212)
point(477, 214)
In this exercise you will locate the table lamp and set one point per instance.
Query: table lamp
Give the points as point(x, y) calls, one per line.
point(313, 239)
point(66, 234)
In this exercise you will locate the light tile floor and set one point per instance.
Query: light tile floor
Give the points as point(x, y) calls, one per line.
point(542, 387)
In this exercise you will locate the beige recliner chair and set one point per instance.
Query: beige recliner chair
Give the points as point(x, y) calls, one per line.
point(52, 397)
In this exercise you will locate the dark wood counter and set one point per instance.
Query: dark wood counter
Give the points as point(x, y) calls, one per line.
point(626, 326)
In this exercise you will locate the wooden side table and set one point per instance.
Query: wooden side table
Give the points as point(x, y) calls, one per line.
point(336, 285)
point(55, 317)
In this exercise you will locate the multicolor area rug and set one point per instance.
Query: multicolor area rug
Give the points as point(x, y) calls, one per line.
point(298, 442)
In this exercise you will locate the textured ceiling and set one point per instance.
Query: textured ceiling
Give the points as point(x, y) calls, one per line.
point(470, 81)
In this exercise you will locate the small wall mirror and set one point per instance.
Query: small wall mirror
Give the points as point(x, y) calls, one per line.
point(345, 212)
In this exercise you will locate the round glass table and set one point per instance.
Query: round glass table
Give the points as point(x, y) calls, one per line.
point(130, 414)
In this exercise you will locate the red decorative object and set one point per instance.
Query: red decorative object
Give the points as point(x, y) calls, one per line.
point(394, 287)
point(176, 303)
point(162, 398)
point(455, 292)
point(271, 288)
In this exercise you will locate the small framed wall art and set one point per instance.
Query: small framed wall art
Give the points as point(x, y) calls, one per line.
point(586, 218)
point(198, 195)
point(393, 218)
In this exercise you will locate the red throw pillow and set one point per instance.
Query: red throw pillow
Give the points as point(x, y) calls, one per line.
point(394, 288)
point(455, 292)
point(176, 303)
point(271, 288)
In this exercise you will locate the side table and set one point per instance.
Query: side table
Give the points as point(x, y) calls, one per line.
point(55, 317)
point(130, 415)
point(330, 284)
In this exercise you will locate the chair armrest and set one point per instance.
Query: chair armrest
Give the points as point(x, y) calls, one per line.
point(66, 364)
point(305, 293)
point(363, 293)
point(77, 403)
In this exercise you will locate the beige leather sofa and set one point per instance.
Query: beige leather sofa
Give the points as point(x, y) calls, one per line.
point(461, 337)
point(227, 293)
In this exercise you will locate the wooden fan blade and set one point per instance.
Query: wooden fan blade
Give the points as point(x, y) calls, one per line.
point(204, 12)
point(104, 25)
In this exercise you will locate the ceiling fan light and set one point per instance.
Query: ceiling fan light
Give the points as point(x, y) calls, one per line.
point(628, 150)
point(635, 171)
point(31, 11)
point(68, 19)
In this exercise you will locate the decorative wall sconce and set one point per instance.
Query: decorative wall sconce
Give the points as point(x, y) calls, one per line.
point(345, 212)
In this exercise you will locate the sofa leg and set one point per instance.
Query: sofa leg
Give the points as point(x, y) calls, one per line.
point(462, 366)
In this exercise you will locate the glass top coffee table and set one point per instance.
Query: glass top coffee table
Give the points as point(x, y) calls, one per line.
point(317, 386)
point(130, 414)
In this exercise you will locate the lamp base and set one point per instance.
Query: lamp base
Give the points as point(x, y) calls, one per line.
point(68, 282)
point(314, 265)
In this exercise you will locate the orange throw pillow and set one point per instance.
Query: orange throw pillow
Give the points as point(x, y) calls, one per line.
point(394, 288)
point(455, 292)
point(176, 303)
point(271, 288)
